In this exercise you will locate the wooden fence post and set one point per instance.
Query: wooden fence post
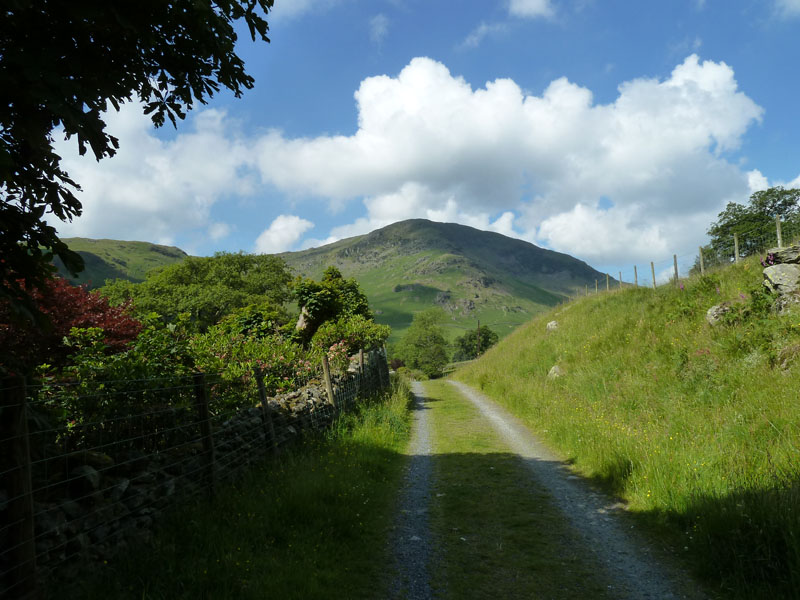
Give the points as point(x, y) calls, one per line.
point(201, 395)
point(608, 285)
point(269, 427)
point(635, 277)
point(778, 229)
point(702, 262)
point(620, 280)
point(375, 366)
point(595, 286)
point(587, 289)
point(736, 246)
point(675, 261)
point(326, 372)
point(15, 463)
point(653, 272)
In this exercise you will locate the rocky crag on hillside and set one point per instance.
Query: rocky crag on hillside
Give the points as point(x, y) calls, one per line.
point(781, 279)
point(782, 275)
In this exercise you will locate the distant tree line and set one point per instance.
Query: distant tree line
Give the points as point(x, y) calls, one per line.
point(752, 223)
point(424, 347)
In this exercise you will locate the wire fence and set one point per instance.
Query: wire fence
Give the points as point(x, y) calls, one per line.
point(724, 252)
point(85, 473)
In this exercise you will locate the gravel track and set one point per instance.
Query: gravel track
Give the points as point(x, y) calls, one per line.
point(411, 543)
point(629, 562)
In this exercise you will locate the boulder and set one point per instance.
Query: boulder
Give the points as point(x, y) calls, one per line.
point(84, 480)
point(555, 372)
point(119, 489)
point(552, 326)
point(783, 279)
point(789, 255)
point(714, 314)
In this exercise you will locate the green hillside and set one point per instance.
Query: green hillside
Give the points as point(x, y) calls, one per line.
point(114, 259)
point(417, 264)
point(403, 268)
point(696, 427)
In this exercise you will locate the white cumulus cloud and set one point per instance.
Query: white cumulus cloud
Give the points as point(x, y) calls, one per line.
point(634, 179)
point(282, 234)
point(429, 145)
point(152, 189)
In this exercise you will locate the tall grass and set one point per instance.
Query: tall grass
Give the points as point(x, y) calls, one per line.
point(313, 523)
point(697, 427)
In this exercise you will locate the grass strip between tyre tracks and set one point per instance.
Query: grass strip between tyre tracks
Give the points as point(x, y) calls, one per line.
point(498, 534)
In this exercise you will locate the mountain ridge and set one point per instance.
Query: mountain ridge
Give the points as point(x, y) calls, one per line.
point(472, 274)
point(403, 268)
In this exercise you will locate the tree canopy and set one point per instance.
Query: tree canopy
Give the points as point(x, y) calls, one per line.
point(331, 298)
point(26, 345)
point(752, 222)
point(467, 346)
point(208, 288)
point(62, 65)
point(423, 346)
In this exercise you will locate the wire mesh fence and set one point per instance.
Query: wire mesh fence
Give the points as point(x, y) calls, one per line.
point(722, 253)
point(86, 470)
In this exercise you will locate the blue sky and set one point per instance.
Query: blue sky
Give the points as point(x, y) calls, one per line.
point(614, 131)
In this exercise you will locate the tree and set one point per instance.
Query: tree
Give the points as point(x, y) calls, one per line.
point(423, 346)
point(26, 345)
point(62, 64)
point(208, 288)
point(329, 299)
point(467, 345)
point(752, 223)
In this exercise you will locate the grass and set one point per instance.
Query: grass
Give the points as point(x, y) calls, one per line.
point(112, 259)
point(498, 535)
point(696, 427)
point(311, 524)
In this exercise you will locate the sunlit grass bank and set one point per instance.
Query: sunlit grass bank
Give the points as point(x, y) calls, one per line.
point(697, 427)
point(313, 523)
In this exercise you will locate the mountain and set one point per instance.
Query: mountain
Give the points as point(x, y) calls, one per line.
point(403, 268)
point(417, 264)
point(112, 259)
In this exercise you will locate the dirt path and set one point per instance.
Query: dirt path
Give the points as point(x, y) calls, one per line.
point(412, 541)
point(630, 565)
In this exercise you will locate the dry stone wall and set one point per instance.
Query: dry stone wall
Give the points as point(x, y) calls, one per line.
point(91, 504)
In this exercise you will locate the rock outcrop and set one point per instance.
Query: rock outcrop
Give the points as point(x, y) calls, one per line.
point(782, 275)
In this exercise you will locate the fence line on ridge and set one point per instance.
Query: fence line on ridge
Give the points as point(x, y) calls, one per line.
point(739, 246)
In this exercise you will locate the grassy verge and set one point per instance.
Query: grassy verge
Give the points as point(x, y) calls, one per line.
point(697, 427)
point(311, 524)
point(498, 534)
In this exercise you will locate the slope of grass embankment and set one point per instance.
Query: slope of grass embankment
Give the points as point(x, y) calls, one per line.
point(312, 523)
point(696, 427)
